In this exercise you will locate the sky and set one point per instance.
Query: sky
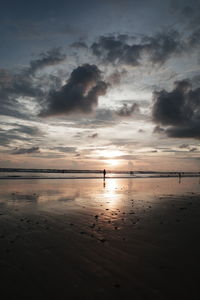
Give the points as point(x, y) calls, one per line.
point(100, 84)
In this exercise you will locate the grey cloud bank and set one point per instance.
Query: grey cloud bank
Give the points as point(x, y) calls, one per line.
point(179, 110)
point(26, 150)
point(79, 94)
point(23, 83)
point(121, 50)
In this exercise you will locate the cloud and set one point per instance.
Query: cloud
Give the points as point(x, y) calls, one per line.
point(102, 118)
point(184, 146)
point(114, 50)
point(159, 130)
point(79, 45)
point(5, 76)
point(127, 110)
point(178, 111)
point(64, 149)
point(93, 136)
point(115, 77)
point(17, 84)
point(23, 83)
point(46, 59)
point(13, 86)
point(189, 148)
point(122, 51)
point(26, 150)
point(141, 131)
point(162, 46)
point(79, 94)
point(188, 131)
point(18, 132)
point(193, 149)
point(107, 117)
point(194, 38)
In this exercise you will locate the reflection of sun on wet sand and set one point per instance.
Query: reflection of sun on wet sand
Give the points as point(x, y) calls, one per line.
point(81, 239)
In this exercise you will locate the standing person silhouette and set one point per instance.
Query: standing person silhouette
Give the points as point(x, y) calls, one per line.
point(179, 175)
point(104, 174)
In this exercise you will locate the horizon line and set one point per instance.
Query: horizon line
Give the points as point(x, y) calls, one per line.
point(50, 170)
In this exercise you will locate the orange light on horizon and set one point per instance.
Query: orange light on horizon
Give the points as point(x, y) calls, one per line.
point(112, 162)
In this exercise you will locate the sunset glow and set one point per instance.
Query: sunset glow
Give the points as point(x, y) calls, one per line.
point(83, 90)
point(113, 162)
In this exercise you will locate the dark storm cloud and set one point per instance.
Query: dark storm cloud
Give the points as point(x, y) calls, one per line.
point(26, 150)
point(127, 110)
point(188, 131)
point(79, 94)
point(172, 107)
point(178, 110)
point(158, 48)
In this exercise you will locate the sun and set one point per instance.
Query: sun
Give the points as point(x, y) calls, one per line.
point(109, 156)
point(112, 162)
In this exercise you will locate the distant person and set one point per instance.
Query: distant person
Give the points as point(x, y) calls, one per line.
point(179, 175)
point(104, 173)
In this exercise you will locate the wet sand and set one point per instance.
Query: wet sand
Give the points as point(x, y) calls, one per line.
point(90, 239)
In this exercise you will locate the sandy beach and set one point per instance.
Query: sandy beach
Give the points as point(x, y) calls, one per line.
point(95, 239)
